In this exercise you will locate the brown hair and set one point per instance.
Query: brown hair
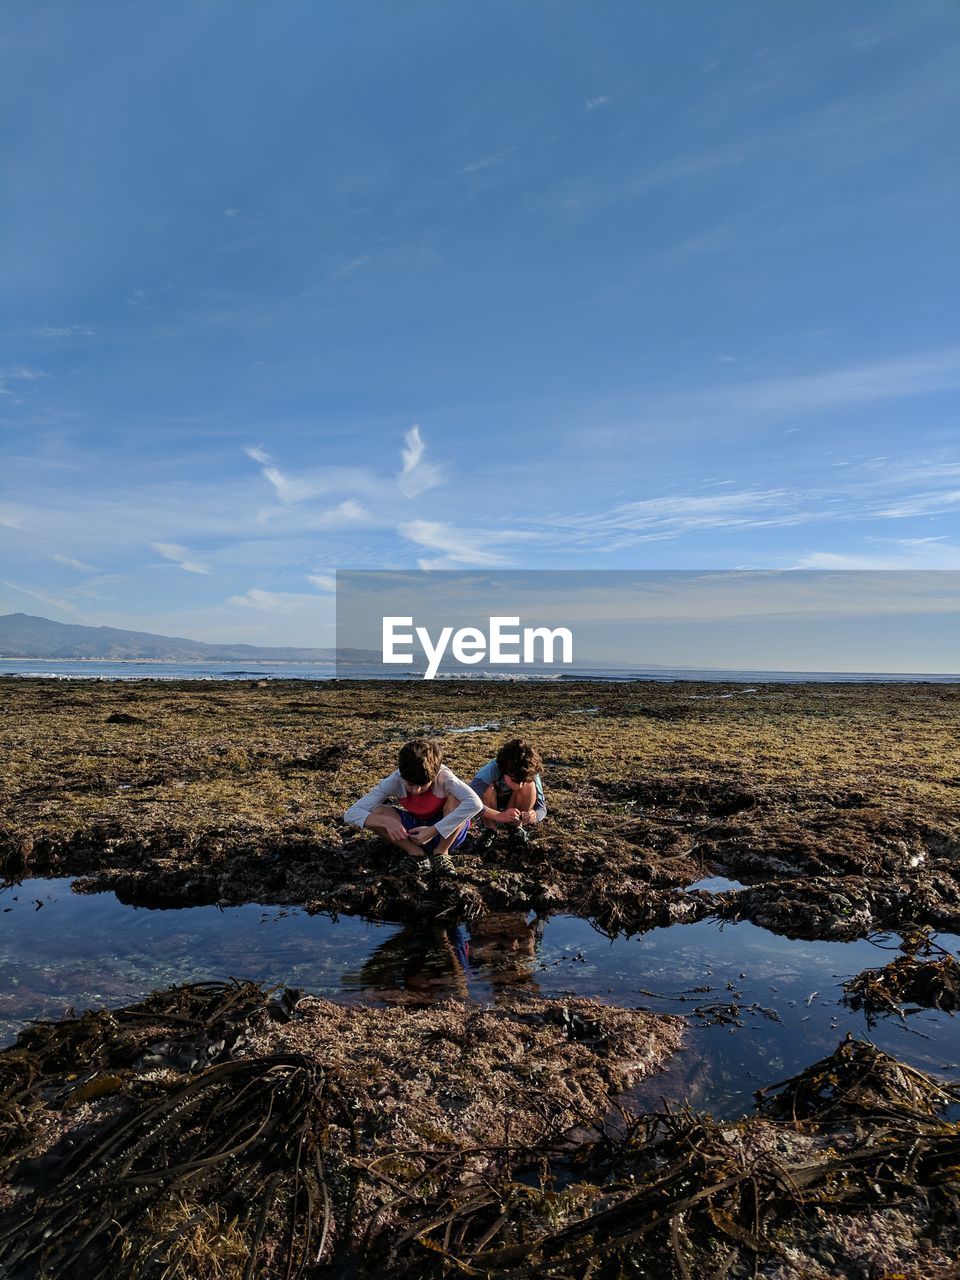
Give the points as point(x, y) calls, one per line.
point(420, 761)
point(519, 759)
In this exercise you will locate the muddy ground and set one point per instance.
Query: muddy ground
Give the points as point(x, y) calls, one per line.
point(837, 805)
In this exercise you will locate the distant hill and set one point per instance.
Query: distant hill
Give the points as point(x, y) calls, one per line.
point(25, 636)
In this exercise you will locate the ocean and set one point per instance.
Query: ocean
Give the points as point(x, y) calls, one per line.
point(56, 669)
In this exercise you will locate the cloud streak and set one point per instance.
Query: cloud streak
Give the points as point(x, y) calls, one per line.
point(275, 601)
point(893, 553)
point(348, 268)
point(19, 373)
point(179, 556)
point(53, 602)
point(471, 548)
point(487, 162)
point(416, 474)
point(73, 564)
point(51, 331)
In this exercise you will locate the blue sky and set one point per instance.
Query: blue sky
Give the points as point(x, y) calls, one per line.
point(296, 287)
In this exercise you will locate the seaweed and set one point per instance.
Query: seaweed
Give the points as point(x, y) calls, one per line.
point(247, 1135)
point(858, 1080)
point(926, 984)
point(233, 1126)
point(234, 792)
point(335, 1140)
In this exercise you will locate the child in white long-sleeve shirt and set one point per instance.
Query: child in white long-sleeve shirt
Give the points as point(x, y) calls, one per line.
point(421, 808)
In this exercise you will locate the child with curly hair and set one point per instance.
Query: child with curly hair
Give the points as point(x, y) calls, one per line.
point(511, 790)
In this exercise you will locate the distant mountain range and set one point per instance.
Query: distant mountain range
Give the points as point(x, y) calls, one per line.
point(25, 636)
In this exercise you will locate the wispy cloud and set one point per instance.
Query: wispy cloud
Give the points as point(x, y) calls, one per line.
point(315, 483)
point(601, 100)
point(74, 564)
point(487, 162)
point(655, 519)
point(417, 475)
point(348, 268)
point(749, 404)
point(891, 553)
point(863, 490)
point(920, 504)
point(459, 547)
point(273, 601)
point(54, 331)
point(289, 489)
point(348, 513)
point(920, 374)
point(54, 602)
point(142, 297)
point(323, 581)
point(179, 555)
point(19, 373)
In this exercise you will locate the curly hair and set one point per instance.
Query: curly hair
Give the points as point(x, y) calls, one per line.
point(420, 761)
point(520, 760)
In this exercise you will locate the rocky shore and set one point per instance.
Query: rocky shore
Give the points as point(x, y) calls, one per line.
point(836, 807)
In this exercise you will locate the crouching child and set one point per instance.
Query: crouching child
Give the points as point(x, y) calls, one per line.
point(511, 790)
point(421, 808)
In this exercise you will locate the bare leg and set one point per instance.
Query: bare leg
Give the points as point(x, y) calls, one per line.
point(524, 797)
point(489, 799)
point(384, 822)
point(445, 842)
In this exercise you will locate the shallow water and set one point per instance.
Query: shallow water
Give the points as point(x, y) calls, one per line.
point(760, 1007)
point(716, 884)
point(104, 669)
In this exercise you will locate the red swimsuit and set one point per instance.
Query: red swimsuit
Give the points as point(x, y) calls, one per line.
point(425, 806)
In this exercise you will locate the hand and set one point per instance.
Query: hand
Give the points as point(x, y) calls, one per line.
point(528, 816)
point(509, 816)
point(393, 829)
point(422, 835)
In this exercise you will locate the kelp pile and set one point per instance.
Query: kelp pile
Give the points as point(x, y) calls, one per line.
point(187, 1136)
point(164, 1140)
point(932, 982)
point(859, 1082)
point(863, 1181)
point(219, 1132)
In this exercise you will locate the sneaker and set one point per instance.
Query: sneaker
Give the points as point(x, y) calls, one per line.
point(443, 865)
point(520, 835)
point(419, 866)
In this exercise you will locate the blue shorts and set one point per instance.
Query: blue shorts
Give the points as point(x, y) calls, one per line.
point(410, 821)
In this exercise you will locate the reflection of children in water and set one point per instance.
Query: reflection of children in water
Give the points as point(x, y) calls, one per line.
point(499, 949)
point(426, 960)
point(502, 947)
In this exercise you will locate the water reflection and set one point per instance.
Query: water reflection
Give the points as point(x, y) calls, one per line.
point(429, 962)
point(495, 952)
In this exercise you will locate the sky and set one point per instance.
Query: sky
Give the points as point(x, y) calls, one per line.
point(903, 621)
point(293, 288)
